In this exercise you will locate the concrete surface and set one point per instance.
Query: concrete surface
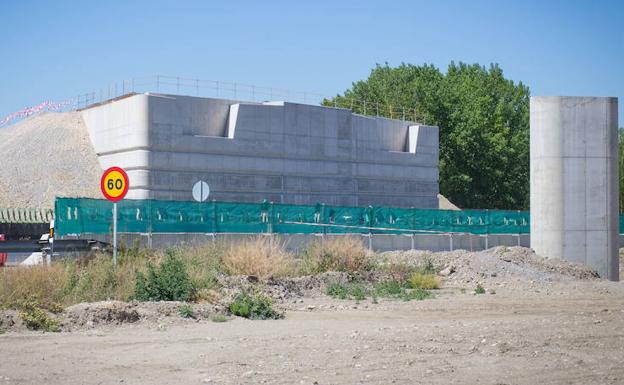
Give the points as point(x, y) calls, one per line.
point(297, 242)
point(247, 152)
point(574, 180)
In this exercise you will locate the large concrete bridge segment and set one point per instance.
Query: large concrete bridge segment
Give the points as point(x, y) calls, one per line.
point(284, 152)
point(574, 180)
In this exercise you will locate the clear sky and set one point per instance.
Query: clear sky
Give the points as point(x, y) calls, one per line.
point(53, 50)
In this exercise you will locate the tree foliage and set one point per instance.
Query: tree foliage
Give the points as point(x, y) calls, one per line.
point(483, 119)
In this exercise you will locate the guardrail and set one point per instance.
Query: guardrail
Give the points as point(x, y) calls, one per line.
point(217, 89)
point(26, 215)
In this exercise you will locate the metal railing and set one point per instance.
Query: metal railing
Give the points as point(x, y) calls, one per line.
point(219, 89)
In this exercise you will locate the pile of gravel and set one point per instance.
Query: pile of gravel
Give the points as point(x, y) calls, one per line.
point(515, 268)
point(47, 156)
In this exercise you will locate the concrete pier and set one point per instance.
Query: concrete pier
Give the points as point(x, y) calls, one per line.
point(574, 180)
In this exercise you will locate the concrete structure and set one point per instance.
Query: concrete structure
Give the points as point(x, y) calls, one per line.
point(574, 181)
point(297, 242)
point(284, 152)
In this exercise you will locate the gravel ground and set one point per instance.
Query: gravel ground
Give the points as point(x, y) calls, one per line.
point(46, 156)
point(570, 338)
point(548, 322)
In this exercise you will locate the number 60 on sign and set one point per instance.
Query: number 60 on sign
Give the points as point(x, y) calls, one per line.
point(114, 184)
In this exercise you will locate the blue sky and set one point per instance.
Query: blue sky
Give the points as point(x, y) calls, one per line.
point(53, 50)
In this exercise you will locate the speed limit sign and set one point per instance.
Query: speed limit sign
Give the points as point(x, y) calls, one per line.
point(114, 184)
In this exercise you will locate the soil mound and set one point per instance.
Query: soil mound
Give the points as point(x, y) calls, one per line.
point(46, 156)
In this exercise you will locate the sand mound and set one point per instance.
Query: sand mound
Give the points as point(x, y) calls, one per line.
point(46, 156)
point(445, 204)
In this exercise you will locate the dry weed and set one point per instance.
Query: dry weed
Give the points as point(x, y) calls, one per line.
point(42, 283)
point(343, 253)
point(261, 256)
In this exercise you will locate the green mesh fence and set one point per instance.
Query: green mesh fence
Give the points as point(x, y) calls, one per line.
point(82, 215)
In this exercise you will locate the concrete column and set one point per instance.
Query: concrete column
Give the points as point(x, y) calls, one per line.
point(574, 181)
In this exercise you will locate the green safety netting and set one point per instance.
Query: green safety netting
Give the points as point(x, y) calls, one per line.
point(83, 215)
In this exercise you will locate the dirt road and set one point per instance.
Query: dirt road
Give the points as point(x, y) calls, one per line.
point(573, 333)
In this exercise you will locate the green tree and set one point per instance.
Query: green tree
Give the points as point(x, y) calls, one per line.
point(483, 119)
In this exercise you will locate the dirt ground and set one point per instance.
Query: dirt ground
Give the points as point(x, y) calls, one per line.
point(544, 324)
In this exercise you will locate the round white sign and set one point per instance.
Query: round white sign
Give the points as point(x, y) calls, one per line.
point(201, 191)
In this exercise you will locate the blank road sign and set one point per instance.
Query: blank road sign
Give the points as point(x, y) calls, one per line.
point(201, 191)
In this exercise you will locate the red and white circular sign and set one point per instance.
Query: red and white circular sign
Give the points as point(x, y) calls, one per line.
point(114, 184)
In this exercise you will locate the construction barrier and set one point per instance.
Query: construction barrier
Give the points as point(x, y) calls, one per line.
point(75, 216)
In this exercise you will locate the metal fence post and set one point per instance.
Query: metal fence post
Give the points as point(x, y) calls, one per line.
point(214, 215)
point(323, 220)
point(149, 223)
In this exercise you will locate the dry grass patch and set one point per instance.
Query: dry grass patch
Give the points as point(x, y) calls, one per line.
point(261, 256)
point(343, 253)
point(40, 283)
point(424, 281)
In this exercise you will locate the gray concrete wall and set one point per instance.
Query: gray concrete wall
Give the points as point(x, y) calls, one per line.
point(297, 242)
point(284, 152)
point(574, 181)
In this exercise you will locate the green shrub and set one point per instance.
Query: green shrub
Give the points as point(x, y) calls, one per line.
point(428, 267)
point(219, 318)
point(340, 290)
point(254, 306)
point(424, 281)
point(415, 294)
point(337, 290)
point(359, 292)
point(389, 288)
point(92, 280)
point(186, 311)
point(36, 318)
point(170, 282)
point(479, 290)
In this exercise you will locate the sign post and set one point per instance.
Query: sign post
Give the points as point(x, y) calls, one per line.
point(114, 185)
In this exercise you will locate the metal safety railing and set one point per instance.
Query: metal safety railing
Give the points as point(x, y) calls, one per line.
point(217, 89)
